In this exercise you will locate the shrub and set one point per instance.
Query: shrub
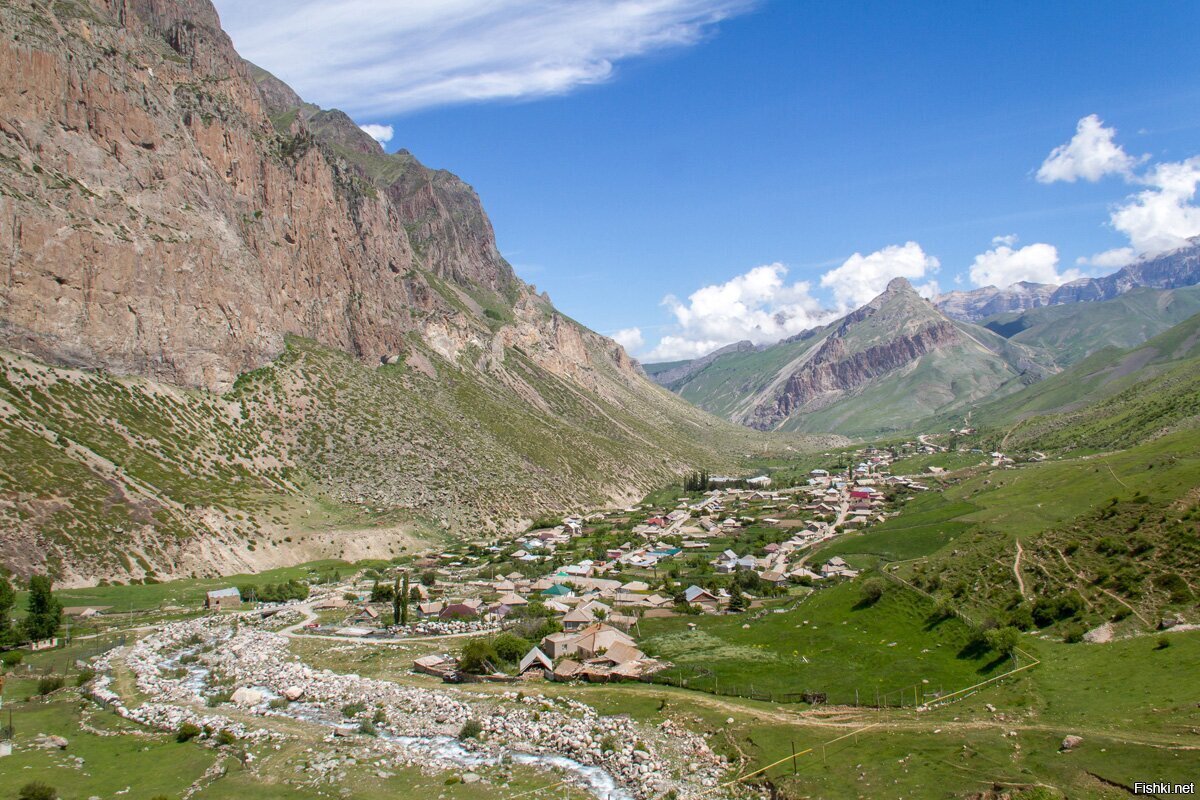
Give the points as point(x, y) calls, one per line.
point(477, 655)
point(11, 658)
point(872, 590)
point(49, 683)
point(1073, 634)
point(36, 790)
point(353, 709)
point(226, 737)
point(187, 732)
point(84, 676)
point(510, 648)
point(1163, 643)
point(470, 729)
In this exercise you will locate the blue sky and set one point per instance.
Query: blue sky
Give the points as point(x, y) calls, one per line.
point(692, 172)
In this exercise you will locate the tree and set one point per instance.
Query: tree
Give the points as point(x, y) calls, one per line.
point(1003, 640)
point(381, 593)
point(737, 600)
point(872, 590)
point(8, 599)
point(510, 648)
point(44, 610)
point(429, 578)
point(478, 655)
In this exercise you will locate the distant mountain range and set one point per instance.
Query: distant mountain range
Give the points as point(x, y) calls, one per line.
point(886, 366)
point(1168, 271)
point(902, 362)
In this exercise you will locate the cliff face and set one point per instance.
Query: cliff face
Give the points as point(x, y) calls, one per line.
point(1172, 270)
point(888, 366)
point(833, 371)
point(166, 211)
point(171, 215)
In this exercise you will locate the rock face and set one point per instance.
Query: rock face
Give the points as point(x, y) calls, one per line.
point(1172, 270)
point(169, 210)
point(171, 215)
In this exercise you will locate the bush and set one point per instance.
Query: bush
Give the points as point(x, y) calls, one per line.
point(470, 729)
point(49, 683)
point(872, 590)
point(84, 676)
point(11, 658)
point(226, 737)
point(1073, 634)
point(187, 732)
point(510, 648)
point(478, 656)
point(36, 790)
point(1163, 643)
point(353, 709)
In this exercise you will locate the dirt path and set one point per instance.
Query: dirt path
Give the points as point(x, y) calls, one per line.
point(1017, 570)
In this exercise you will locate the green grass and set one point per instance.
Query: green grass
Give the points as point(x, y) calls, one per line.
point(843, 647)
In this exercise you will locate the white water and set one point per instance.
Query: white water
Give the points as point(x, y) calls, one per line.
point(445, 751)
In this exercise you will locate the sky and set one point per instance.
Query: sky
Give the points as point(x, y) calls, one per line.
point(683, 174)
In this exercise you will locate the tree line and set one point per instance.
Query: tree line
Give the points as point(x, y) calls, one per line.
point(43, 612)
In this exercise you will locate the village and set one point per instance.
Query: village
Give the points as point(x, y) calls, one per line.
point(564, 602)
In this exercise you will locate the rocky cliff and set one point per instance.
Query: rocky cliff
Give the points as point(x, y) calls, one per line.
point(886, 366)
point(369, 369)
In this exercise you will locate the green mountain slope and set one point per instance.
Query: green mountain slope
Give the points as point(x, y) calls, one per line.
point(318, 455)
point(1074, 331)
point(885, 367)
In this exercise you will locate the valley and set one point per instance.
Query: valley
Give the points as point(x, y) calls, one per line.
point(306, 491)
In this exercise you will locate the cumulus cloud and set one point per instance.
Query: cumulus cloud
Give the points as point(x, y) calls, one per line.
point(861, 277)
point(1003, 266)
point(1091, 154)
point(759, 305)
point(380, 133)
point(1109, 259)
point(629, 338)
point(423, 53)
point(1162, 217)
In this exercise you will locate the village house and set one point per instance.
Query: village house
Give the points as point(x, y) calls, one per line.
point(223, 599)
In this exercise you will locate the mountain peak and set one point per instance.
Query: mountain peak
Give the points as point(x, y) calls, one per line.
point(899, 285)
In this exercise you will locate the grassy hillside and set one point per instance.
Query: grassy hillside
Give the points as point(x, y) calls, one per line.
point(320, 456)
point(1073, 331)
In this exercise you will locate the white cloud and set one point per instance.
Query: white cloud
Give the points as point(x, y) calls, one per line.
point(1091, 154)
point(1003, 266)
point(380, 133)
point(861, 277)
point(1162, 217)
point(629, 338)
point(422, 53)
point(1008, 240)
point(758, 305)
point(1109, 259)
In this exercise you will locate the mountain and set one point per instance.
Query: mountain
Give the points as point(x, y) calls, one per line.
point(239, 334)
point(884, 367)
point(1075, 330)
point(1113, 398)
point(1172, 270)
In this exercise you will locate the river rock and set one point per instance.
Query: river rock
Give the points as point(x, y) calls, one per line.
point(245, 696)
point(1070, 743)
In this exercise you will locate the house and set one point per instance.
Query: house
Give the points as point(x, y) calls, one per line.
point(222, 599)
point(587, 643)
point(557, 590)
point(636, 586)
point(427, 610)
point(458, 611)
point(567, 670)
point(702, 597)
point(535, 658)
point(578, 618)
point(513, 600)
point(437, 666)
point(774, 576)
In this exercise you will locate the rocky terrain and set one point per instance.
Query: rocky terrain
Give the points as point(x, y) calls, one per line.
point(1172, 270)
point(240, 334)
